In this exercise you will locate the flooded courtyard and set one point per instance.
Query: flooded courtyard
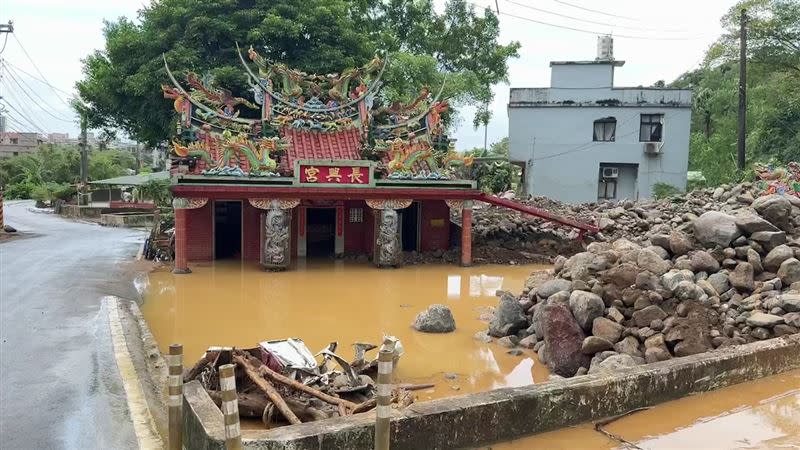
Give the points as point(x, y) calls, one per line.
point(235, 304)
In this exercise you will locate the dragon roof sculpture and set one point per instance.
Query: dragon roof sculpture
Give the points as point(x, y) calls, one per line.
point(308, 116)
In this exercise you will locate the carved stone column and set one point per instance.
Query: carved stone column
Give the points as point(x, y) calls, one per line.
point(276, 249)
point(388, 252)
point(181, 205)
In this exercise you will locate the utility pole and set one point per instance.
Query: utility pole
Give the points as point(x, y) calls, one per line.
point(4, 29)
point(84, 158)
point(742, 89)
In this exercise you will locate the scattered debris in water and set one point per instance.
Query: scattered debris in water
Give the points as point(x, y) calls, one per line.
point(282, 382)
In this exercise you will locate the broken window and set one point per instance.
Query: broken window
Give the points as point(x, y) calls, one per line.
point(605, 129)
point(651, 127)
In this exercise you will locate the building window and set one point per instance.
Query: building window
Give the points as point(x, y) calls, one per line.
point(16, 153)
point(14, 140)
point(607, 190)
point(605, 129)
point(356, 215)
point(651, 128)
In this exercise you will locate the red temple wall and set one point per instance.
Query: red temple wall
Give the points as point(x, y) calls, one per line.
point(357, 236)
point(434, 225)
point(251, 232)
point(199, 233)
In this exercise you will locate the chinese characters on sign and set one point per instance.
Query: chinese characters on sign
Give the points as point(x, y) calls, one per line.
point(320, 174)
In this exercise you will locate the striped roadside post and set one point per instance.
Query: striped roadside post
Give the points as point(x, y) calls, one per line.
point(230, 407)
point(384, 387)
point(175, 405)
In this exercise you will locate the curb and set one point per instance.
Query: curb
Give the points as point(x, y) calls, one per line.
point(143, 424)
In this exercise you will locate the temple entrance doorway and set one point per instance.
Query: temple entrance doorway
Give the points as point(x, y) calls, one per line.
point(409, 227)
point(320, 232)
point(227, 229)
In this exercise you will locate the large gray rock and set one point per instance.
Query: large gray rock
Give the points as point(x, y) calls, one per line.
point(436, 319)
point(607, 329)
point(621, 276)
point(789, 302)
point(650, 261)
point(563, 339)
point(760, 319)
point(742, 277)
point(629, 346)
point(594, 344)
point(671, 279)
point(775, 208)
point(586, 306)
point(548, 288)
point(751, 223)
point(714, 228)
point(776, 257)
point(755, 260)
point(720, 282)
point(613, 364)
point(702, 261)
point(509, 317)
point(769, 239)
point(789, 271)
point(644, 316)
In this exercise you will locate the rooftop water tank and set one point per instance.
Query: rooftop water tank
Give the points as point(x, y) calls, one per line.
point(605, 48)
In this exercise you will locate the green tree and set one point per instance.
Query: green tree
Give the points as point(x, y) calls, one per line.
point(773, 83)
point(492, 169)
point(121, 85)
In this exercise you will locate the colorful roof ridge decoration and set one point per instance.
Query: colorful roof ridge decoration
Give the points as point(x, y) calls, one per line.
point(301, 117)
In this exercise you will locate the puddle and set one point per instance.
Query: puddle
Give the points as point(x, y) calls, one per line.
point(234, 304)
point(761, 414)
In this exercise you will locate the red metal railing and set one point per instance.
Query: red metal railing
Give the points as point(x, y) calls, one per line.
point(581, 226)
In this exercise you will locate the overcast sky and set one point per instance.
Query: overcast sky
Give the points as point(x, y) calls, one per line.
point(57, 34)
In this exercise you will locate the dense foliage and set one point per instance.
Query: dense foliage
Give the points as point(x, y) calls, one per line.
point(773, 91)
point(495, 173)
point(121, 85)
point(53, 170)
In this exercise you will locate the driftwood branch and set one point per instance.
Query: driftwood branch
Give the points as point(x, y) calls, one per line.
point(275, 376)
point(267, 388)
point(253, 405)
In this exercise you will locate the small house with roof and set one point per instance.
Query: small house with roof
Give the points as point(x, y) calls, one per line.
point(584, 139)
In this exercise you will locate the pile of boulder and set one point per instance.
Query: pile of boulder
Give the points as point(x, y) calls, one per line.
point(685, 276)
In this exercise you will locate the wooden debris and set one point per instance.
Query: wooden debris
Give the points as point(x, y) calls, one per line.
point(267, 388)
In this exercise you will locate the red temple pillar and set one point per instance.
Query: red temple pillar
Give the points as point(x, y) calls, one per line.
point(181, 244)
point(466, 234)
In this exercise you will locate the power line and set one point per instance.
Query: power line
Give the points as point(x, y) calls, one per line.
point(584, 20)
point(27, 94)
point(30, 122)
point(581, 30)
point(27, 114)
point(596, 11)
point(39, 71)
point(36, 78)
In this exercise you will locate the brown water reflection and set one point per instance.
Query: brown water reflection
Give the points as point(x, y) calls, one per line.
point(235, 304)
point(762, 414)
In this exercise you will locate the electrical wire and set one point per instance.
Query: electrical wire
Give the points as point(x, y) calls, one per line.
point(44, 78)
point(6, 62)
point(28, 114)
point(581, 30)
point(596, 11)
point(27, 119)
point(44, 108)
point(523, 5)
point(5, 41)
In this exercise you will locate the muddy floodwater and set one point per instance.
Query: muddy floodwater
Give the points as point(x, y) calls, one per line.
point(762, 414)
point(235, 304)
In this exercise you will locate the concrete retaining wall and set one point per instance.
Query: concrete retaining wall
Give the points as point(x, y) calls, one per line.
point(508, 413)
point(127, 219)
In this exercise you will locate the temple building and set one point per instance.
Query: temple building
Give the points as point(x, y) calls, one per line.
point(313, 166)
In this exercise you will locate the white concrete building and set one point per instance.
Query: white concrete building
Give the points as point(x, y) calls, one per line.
point(583, 139)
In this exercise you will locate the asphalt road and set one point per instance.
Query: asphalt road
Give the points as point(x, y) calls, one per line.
point(59, 384)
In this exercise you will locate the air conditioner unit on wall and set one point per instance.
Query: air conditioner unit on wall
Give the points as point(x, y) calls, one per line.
point(653, 148)
point(610, 172)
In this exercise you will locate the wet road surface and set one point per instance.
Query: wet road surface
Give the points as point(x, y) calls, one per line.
point(59, 385)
